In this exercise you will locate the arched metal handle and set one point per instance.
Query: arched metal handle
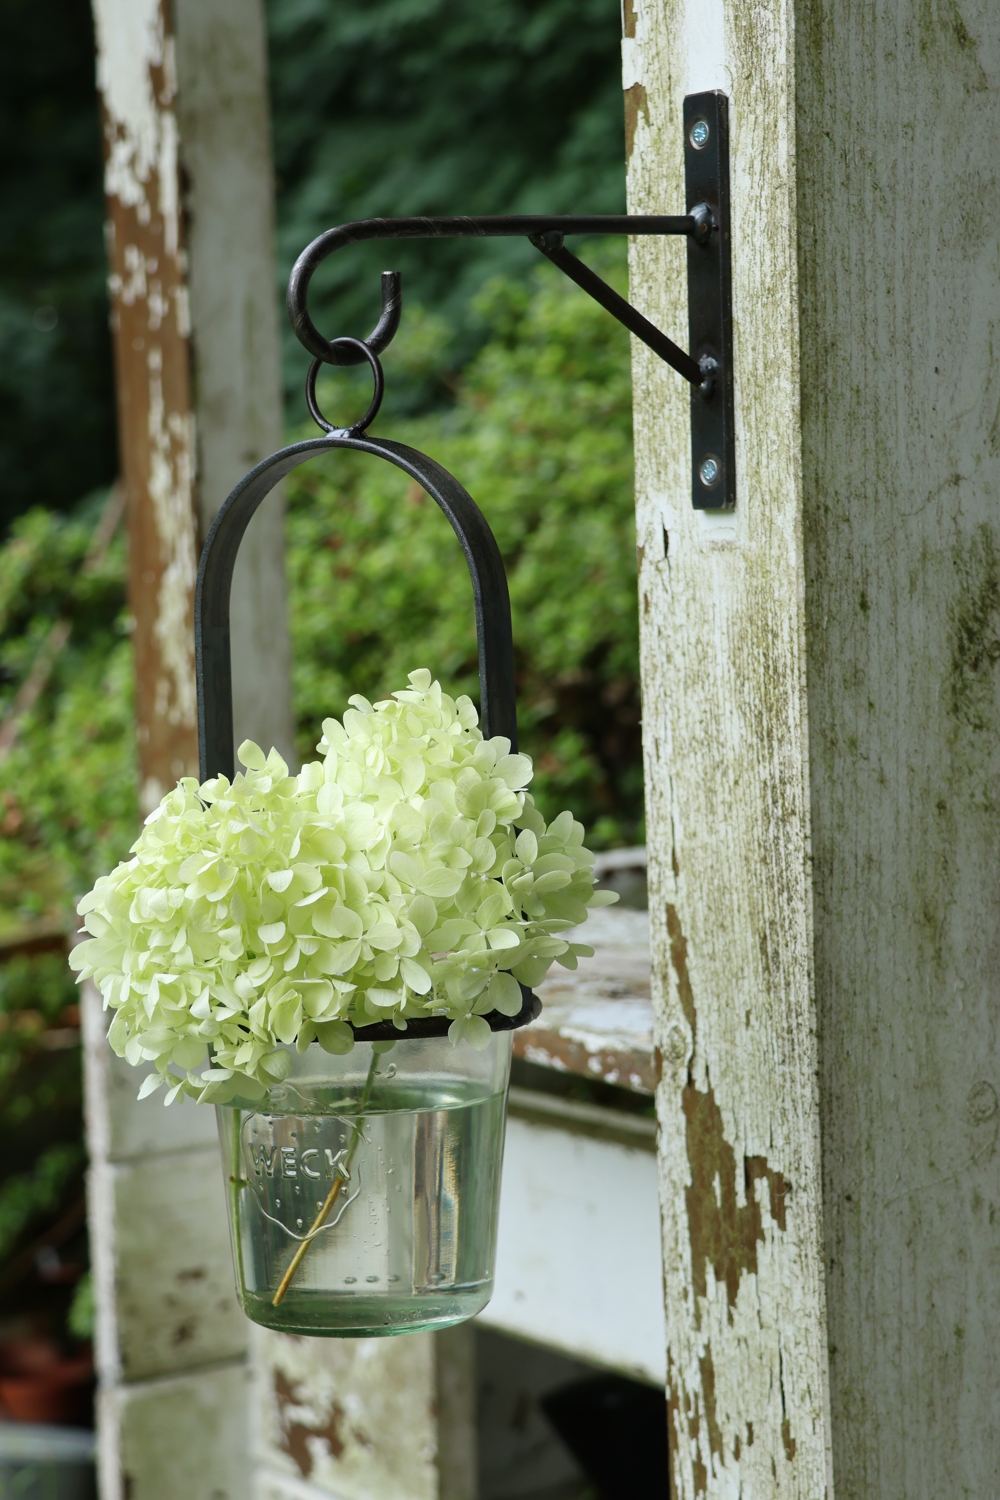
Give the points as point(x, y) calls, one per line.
point(213, 664)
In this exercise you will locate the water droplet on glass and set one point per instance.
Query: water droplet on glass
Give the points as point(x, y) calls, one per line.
point(371, 1278)
point(390, 1071)
point(277, 1202)
point(350, 1280)
point(392, 1278)
point(298, 1223)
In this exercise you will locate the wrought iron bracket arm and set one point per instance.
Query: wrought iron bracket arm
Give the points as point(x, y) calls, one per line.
point(509, 226)
point(552, 247)
point(708, 367)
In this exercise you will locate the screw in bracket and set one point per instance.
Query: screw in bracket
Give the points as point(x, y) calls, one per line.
point(710, 471)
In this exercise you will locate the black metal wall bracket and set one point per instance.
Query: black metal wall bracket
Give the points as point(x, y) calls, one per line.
point(706, 224)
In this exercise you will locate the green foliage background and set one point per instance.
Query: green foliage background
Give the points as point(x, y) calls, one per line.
point(399, 107)
point(385, 107)
point(55, 355)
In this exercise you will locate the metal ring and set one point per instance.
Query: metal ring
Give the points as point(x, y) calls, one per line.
point(376, 402)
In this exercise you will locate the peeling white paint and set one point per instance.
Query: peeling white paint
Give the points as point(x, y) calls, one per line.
point(352, 1418)
point(726, 763)
point(168, 181)
point(130, 43)
point(705, 46)
point(578, 1248)
point(171, 490)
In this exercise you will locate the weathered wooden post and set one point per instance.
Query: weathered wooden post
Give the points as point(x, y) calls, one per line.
point(183, 1411)
point(190, 243)
point(820, 714)
point(190, 202)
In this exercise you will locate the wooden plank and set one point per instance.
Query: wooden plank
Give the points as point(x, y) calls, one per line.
point(725, 743)
point(897, 123)
point(862, 562)
point(578, 1252)
point(121, 1127)
point(185, 1436)
point(172, 1305)
point(190, 236)
point(151, 326)
point(353, 1418)
point(597, 1019)
point(225, 151)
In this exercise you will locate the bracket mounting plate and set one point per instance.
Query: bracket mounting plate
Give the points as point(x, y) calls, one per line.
point(710, 310)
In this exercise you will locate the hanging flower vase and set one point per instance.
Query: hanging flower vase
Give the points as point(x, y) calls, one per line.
point(336, 959)
point(363, 1190)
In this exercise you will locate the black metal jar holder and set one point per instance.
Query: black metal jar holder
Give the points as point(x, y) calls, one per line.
point(708, 369)
point(493, 629)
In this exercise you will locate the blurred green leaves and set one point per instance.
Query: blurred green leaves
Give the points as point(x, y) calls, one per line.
point(68, 806)
point(402, 107)
point(57, 426)
point(40, 1094)
point(390, 107)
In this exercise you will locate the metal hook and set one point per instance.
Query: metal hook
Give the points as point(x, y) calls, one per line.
point(706, 225)
point(335, 351)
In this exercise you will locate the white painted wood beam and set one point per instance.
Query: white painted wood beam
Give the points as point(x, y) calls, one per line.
point(820, 665)
point(189, 193)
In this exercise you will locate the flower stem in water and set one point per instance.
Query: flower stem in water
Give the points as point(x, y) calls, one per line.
point(335, 1190)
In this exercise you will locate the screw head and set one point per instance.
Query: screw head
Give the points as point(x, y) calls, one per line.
point(710, 471)
point(698, 134)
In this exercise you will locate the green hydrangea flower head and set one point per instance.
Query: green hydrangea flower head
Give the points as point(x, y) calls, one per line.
point(406, 873)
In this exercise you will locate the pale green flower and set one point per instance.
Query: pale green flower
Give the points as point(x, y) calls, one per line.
point(408, 873)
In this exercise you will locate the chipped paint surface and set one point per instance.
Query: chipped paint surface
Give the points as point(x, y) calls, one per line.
point(353, 1417)
point(150, 320)
point(181, 1438)
point(900, 266)
point(725, 742)
point(190, 206)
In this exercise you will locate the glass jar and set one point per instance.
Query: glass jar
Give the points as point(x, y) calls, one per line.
point(363, 1190)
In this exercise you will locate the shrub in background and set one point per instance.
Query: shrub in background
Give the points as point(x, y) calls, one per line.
point(41, 1187)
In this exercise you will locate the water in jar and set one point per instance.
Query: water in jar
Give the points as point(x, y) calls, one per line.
point(363, 1192)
